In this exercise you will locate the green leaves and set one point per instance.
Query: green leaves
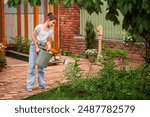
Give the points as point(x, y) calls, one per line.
point(146, 24)
point(130, 7)
point(146, 4)
point(25, 1)
point(140, 28)
point(90, 5)
point(17, 1)
point(90, 35)
point(13, 3)
point(125, 8)
point(35, 2)
point(112, 18)
point(54, 1)
point(68, 3)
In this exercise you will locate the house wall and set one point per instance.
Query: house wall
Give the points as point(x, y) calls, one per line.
point(69, 26)
point(69, 34)
point(72, 23)
point(110, 30)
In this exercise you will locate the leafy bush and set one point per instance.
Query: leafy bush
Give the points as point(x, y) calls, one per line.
point(73, 71)
point(21, 44)
point(64, 52)
point(109, 55)
point(90, 35)
point(2, 57)
point(132, 39)
point(125, 84)
point(110, 83)
point(80, 84)
point(91, 52)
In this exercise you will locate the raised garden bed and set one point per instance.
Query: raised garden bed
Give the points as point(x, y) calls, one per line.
point(17, 55)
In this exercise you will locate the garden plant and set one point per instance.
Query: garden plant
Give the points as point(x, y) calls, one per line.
point(112, 82)
point(2, 57)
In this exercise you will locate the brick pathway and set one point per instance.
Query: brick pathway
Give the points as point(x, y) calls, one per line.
point(13, 78)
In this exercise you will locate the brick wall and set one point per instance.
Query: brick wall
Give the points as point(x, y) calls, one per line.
point(69, 30)
point(69, 27)
point(134, 54)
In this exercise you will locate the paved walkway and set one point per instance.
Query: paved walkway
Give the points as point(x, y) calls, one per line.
point(13, 78)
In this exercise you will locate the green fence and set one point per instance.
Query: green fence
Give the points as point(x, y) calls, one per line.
point(110, 31)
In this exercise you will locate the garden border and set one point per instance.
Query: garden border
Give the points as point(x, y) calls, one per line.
point(17, 55)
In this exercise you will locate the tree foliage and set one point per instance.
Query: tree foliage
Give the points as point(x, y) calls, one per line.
point(136, 14)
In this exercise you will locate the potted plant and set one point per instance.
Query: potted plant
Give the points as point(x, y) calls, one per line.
point(92, 54)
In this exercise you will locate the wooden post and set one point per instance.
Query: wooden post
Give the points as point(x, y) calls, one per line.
point(45, 10)
point(18, 20)
point(100, 37)
point(26, 20)
point(56, 28)
point(50, 8)
point(36, 15)
point(2, 23)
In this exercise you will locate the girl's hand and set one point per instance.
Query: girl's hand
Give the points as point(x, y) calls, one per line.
point(48, 47)
point(37, 49)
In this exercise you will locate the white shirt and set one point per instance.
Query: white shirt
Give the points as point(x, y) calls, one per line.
point(42, 35)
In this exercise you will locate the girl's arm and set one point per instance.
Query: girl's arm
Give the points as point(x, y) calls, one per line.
point(48, 44)
point(34, 33)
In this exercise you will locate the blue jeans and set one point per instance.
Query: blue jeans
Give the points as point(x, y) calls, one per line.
point(31, 68)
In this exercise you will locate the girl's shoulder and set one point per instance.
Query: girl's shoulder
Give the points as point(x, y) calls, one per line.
point(40, 26)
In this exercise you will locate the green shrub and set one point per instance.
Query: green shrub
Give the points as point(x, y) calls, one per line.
point(21, 44)
point(2, 57)
point(109, 55)
point(64, 52)
point(73, 71)
point(80, 84)
point(125, 84)
point(110, 83)
point(112, 53)
point(90, 35)
point(132, 39)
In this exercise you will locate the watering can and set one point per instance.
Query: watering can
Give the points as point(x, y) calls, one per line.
point(43, 58)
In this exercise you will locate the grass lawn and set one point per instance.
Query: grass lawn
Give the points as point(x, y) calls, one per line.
point(98, 89)
point(67, 92)
point(62, 93)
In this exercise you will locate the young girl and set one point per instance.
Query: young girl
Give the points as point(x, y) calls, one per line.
point(40, 37)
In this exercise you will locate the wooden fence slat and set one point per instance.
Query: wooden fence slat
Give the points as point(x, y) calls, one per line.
point(18, 21)
point(56, 44)
point(2, 19)
point(26, 20)
point(36, 15)
point(45, 9)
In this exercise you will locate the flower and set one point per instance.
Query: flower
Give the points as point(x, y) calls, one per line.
point(54, 51)
point(2, 47)
point(91, 52)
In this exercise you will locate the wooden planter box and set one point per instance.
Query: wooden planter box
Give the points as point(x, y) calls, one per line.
point(17, 55)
